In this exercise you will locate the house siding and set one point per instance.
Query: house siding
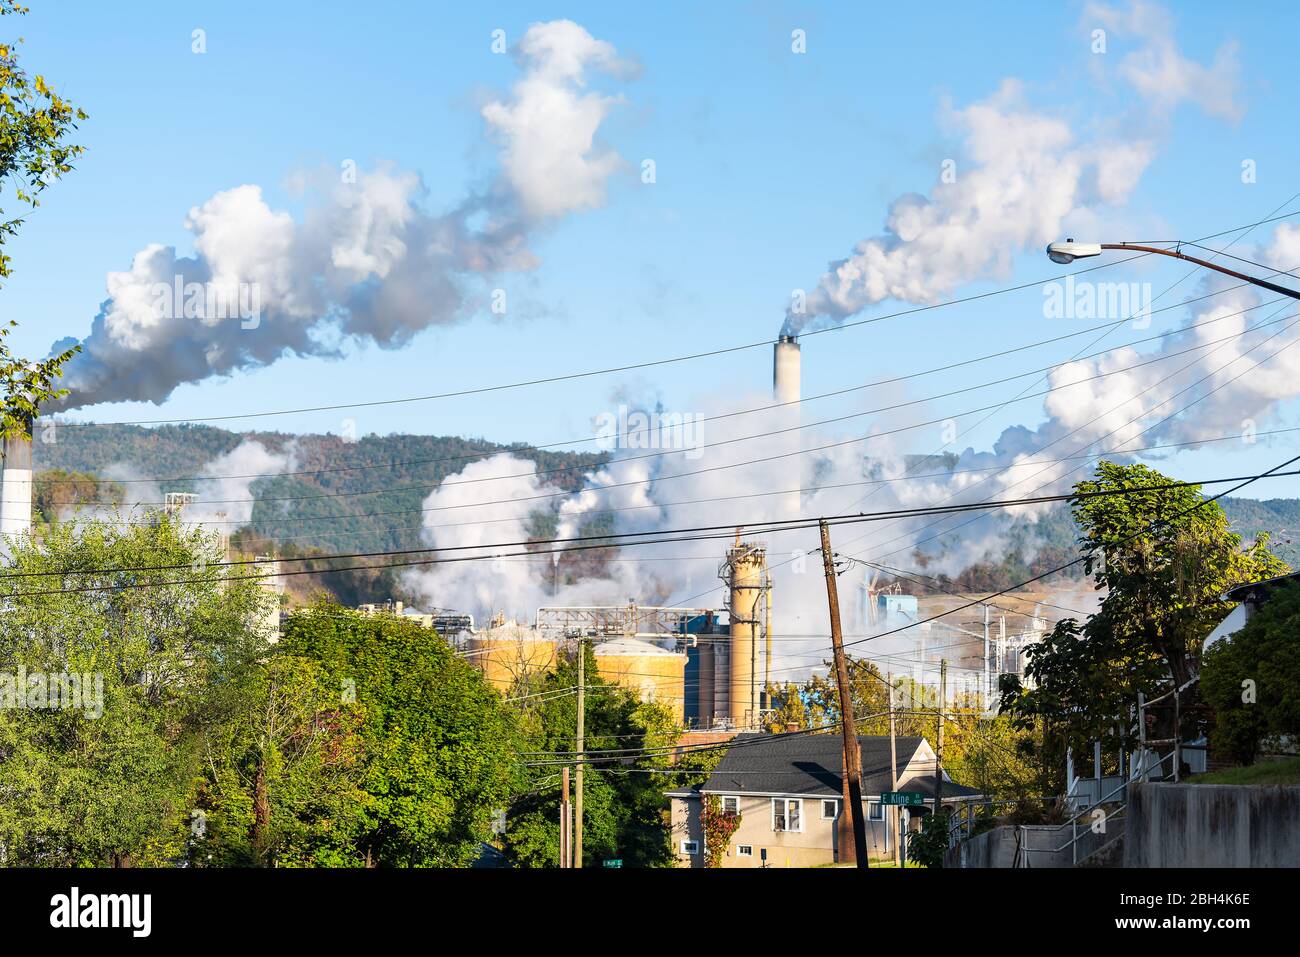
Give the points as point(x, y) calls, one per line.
point(814, 846)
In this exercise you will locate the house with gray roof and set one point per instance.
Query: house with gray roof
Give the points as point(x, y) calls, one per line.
point(787, 790)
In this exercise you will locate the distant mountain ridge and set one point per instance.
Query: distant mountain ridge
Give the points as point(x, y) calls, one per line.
point(303, 513)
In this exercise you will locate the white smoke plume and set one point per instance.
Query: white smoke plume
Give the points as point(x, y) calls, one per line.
point(223, 488)
point(1156, 69)
point(367, 262)
point(548, 128)
point(225, 493)
point(1022, 176)
point(494, 501)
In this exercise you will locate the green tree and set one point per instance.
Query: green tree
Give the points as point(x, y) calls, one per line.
point(283, 771)
point(107, 777)
point(625, 813)
point(928, 845)
point(1251, 679)
point(439, 743)
point(995, 757)
point(58, 492)
point(1164, 564)
point(816, 704)
point(35, 123)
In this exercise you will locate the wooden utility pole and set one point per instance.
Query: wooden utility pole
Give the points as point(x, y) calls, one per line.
point(895, 815)
point(852, 756)
point(844, 823)
point(938, 751)
point(566, 819)
point(580, 747)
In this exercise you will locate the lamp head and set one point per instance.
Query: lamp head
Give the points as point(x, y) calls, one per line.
point(1068, 251)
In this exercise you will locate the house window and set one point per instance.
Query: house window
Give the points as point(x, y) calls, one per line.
point(875, 812)
point(690, 847)
point(830, 809)
point(787, 814)
point(744, 850)
point(731, 805)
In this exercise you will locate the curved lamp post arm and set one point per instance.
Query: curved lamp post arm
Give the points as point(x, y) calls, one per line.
point(1069, 251)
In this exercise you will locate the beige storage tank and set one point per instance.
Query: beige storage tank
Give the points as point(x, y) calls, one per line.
point(510, 651)
point(654, 673)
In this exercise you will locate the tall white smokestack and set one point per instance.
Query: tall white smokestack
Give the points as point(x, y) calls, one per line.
point(16, 487)
point(785, 369)
point(785, 389)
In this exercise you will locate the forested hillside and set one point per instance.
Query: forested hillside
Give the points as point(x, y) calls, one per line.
point(316, 508)
point(1028, 548)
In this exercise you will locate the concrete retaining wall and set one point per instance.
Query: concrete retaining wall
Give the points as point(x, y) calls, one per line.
point(1037, 846)
point(1212, 825)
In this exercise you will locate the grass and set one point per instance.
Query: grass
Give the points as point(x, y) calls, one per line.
point(1286, 771)
point(888, 862)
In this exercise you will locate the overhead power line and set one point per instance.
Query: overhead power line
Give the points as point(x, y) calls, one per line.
point(717, 468)
point(839, 327)
point(693, 450)
point(697, 533)
point(875, 383)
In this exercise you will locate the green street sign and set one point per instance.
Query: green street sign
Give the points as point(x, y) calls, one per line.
point(903, 798)
point(614, 862)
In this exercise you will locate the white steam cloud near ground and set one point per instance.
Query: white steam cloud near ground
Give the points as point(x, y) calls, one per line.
point(223, 485)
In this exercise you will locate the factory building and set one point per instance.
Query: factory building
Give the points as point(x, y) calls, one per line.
point(398, 609)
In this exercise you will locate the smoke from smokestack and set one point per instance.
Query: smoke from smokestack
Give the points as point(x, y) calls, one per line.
point(1021, 178)
point(366, 263)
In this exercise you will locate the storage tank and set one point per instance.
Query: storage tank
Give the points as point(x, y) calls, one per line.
point(510, 651)
point(652, 672)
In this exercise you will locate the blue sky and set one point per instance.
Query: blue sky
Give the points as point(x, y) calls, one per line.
point(769, 165)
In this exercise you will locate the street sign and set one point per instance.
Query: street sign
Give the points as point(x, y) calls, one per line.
point(903, 798)
point(614, 862)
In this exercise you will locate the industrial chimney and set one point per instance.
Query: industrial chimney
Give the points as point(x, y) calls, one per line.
point(785, 391)
point(745, 571)
point(16, 486)
point(785, 369)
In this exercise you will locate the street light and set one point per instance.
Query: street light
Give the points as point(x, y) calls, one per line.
point(1068, 251)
